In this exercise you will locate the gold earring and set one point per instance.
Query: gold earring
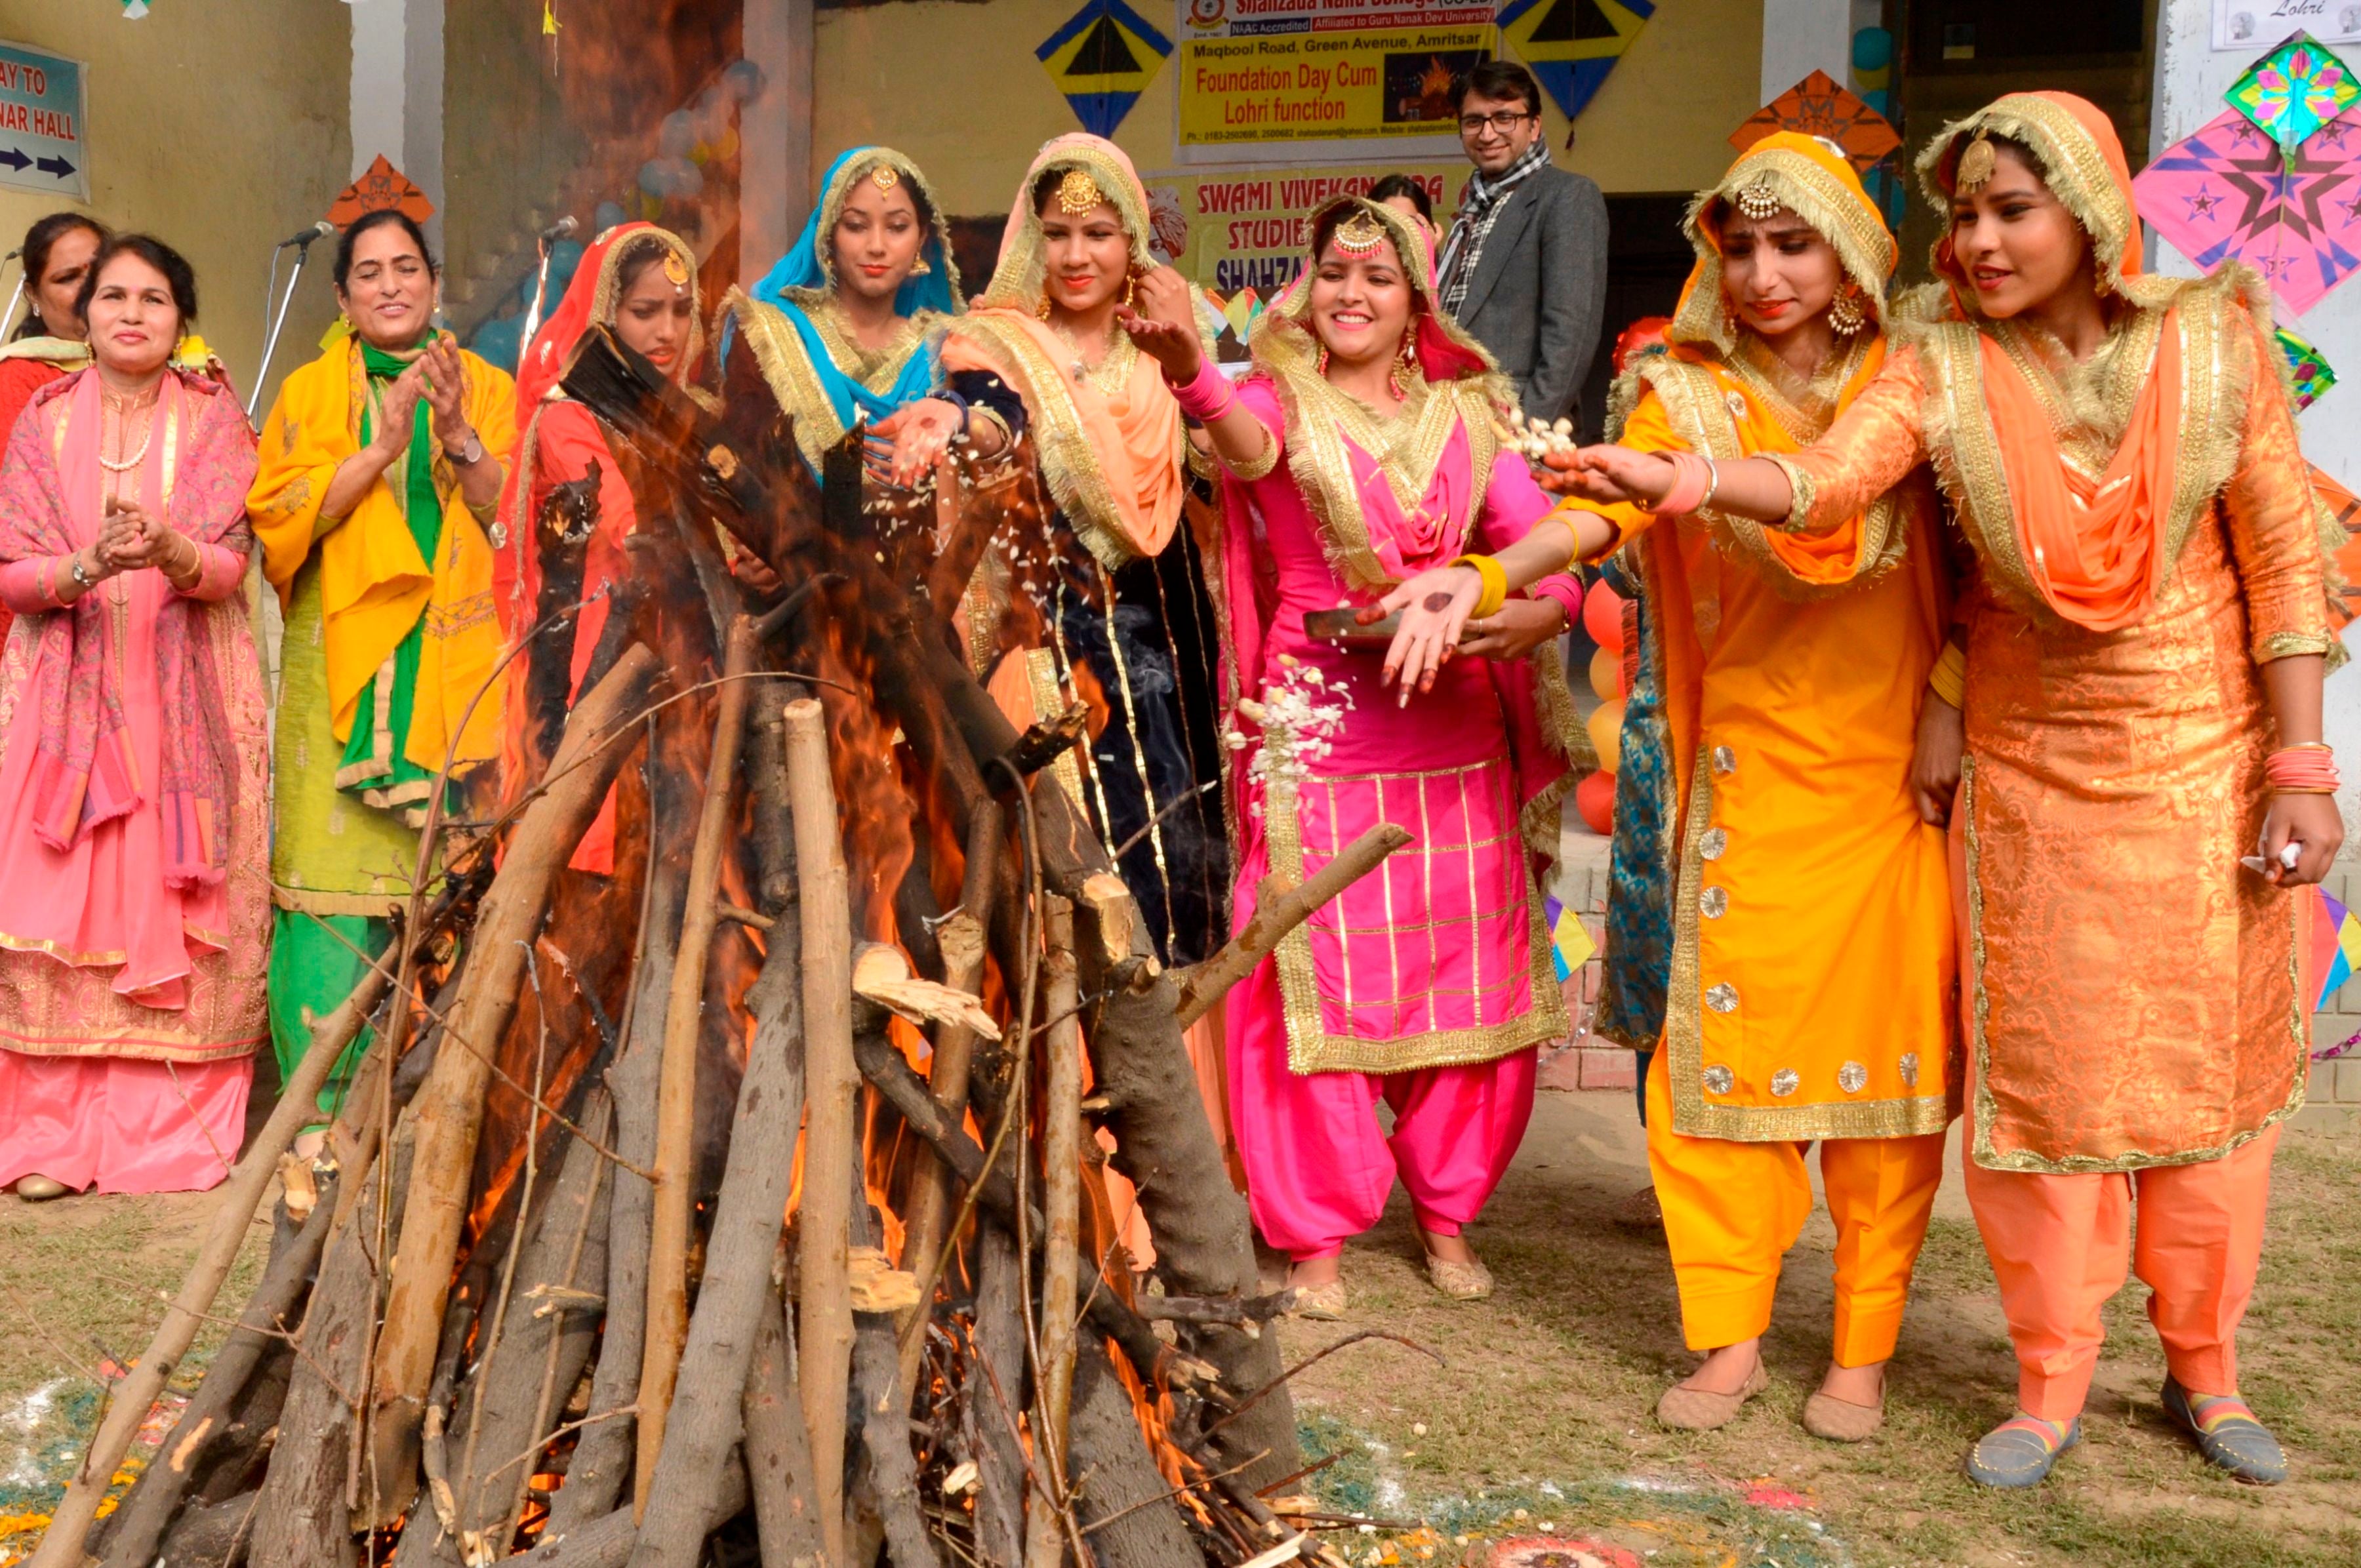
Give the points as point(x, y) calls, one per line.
point(919, 268)
point(1130, 289)
point(1848, 312)
point(1042, 309)
point(1405, 367)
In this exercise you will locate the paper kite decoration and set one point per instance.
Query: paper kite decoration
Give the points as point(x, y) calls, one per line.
point(2307, 368)
point(2345, 513)
point(2336, 946)
point(1572, 44)
point(1817, 106)
point(134, 9)
point(381, 186)
point(2229, 192)
point(2295, 90)
point(1102, 59)
point(1570, 943)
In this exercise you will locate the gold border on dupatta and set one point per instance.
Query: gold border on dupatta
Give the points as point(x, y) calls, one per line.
point(1067, 459)
point(1692, 1115)
point(831, 207)
point(1310, 1048)
point(1980, 1129)
point(780, 355)
point(1016, 281)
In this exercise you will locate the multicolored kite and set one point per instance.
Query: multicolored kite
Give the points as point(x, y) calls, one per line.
point(2232, 193)
point(1572, 44)
point(2295, 90)
point(381, 185)
point(1817, 106)
point(1103, 57)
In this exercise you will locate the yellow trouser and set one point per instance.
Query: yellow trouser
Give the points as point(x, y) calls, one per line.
point(1732, 1209)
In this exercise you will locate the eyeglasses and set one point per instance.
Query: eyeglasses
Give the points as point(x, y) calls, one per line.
point(1504, 121)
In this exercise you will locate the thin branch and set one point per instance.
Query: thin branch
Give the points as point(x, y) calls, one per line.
point(1255, 1398)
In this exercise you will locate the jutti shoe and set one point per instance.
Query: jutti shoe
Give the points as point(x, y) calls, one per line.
point(1468, 1281)
point(1685, 1409)
point(1320, 1303)
point(39, 1188)
point(2226, 1432)
point(2021, 1451)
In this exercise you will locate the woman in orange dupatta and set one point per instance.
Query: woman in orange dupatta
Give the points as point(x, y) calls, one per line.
point(1803, 864)
point(2145, 636)
point(640, 282)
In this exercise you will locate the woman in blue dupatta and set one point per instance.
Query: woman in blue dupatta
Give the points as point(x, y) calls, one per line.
point(845, 328)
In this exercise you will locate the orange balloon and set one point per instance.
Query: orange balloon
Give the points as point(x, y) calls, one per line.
point(1606, 726)
point(1594, 798)
point(1606, 673)
point(1602, 615)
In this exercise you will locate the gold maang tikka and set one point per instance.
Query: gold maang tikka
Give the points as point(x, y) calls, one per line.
point(1359, 235)
point(1976, 166)
point(884, 177)
point(1758, 199)
point(675, 271)
point(1078, 193)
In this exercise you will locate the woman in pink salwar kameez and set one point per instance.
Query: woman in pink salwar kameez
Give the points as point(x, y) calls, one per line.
point(133, 794)
point(1364, 448)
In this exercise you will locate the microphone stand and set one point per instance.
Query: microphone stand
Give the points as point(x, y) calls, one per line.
point(279, 320)
point(16, 298)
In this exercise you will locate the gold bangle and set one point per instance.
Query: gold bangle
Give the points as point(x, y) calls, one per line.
point(1496, 584)
point(1564, 514)
point(1948, 678)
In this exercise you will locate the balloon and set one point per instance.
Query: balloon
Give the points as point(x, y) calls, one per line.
point(1602, 615)
point(678, 134)
point(1607, 675)
point(743, 79)
point(609, 214)
point(652, 176)
point(1606, 726)
point(1594, 799)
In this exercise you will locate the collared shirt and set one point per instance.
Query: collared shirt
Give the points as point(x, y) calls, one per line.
point(1479, 206)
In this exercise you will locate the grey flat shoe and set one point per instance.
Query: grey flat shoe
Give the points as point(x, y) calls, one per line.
point(2228, 1435)
point(2020, 1451)
point(38, 1189)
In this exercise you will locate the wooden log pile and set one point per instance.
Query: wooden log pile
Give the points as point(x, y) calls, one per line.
point(736, 1202)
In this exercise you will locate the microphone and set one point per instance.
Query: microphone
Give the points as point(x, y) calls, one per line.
point(560, 229)
point(320, 230)
point(12, 256)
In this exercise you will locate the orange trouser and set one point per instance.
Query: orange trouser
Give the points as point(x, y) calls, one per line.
point(1732, 1209)
point(2059, 1245)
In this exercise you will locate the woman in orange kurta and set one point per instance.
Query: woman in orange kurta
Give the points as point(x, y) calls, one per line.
point(1803, 865)
point(2146, 637)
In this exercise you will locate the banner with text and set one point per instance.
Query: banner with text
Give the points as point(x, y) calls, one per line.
point(1248, 230)
point(1372, 72)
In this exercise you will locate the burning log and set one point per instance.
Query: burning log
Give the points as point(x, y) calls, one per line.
point(825, 1358)
point(1061, 1153)
point(450, 1109)
point(667, 1323)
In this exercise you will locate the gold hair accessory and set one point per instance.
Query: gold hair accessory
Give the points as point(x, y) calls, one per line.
point(675, 271)
point(1078, 193)
point(884, 177)
point(1976, 166)
point(1849, 312)
point(1359, 234)
point(1758, 200)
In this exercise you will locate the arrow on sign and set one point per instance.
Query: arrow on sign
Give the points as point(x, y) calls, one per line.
point(57, 166)
point(14, 158)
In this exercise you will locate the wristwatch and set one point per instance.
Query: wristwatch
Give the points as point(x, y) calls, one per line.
point(82, 579)
point(471, 454)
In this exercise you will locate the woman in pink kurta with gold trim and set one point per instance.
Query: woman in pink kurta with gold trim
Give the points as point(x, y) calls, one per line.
point(2146, 637)
point(1364, 448)
point(134, 795)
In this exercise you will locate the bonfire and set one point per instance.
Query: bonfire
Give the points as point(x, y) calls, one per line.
point(749, 1197)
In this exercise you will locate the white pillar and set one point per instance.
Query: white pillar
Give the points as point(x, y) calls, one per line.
point(1800, 36)
point(775, 134)
point(397, 93)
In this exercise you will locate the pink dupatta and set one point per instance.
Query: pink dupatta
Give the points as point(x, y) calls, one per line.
point(83, 772)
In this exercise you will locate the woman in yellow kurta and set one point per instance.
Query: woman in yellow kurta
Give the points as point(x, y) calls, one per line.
point(382, 461)
point(1803, 867)
point(2146, 637)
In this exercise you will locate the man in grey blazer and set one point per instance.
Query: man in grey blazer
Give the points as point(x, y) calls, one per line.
point(1524, 266)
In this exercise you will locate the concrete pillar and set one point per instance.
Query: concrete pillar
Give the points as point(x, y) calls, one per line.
point(397, 93)
point(774, 132)
point(1800, 36)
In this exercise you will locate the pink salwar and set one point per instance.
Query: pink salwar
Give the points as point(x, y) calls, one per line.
point(112, 1124)
point(1417, 984)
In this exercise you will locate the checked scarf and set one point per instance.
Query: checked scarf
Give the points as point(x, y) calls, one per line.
point(1479, 207)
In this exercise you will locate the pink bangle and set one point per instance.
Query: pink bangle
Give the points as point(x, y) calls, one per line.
point(2308, 769)
point(1693, 482)
point(1207, 396)
point(1563, 589)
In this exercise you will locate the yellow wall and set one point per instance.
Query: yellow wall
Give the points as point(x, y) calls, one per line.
point(956, 87)
point(220, 126)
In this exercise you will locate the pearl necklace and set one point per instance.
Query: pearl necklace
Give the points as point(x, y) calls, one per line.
point(125, 406)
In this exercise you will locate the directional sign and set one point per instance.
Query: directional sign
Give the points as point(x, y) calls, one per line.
point(43, 141)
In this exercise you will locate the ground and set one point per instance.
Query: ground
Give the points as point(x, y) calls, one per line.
point(1535, 1428)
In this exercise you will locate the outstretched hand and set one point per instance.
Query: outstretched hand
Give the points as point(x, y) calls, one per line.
point(1164, 324)
point(1609, 476)
point(1435, 607)
point(904, 447)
